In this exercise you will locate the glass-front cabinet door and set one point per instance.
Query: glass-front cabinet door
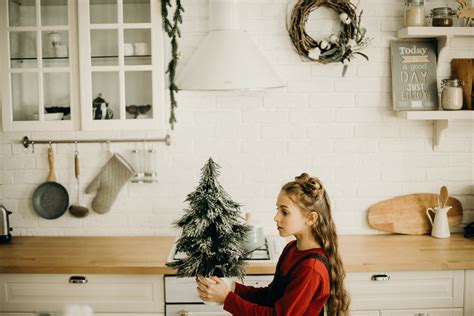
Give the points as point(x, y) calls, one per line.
point(38, 65)
point(122, 64)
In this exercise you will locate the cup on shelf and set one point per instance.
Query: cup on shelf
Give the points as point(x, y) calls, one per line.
point(60, 50)
point(128, 49)
point(141, 48)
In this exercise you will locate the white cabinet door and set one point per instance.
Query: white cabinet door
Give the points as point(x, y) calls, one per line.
point(122, 65)
point(423, 312)
point(38, 65)
point(104, 293)
point(411, 289)
point(469, 295)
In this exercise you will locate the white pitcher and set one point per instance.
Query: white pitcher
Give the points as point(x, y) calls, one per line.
point(440, 225)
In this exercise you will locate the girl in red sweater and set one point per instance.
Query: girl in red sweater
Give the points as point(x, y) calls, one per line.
point(309, 273)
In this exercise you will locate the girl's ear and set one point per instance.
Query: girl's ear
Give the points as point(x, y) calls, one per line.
point(312, 218)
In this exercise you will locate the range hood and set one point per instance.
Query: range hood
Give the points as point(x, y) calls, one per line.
point(227, 59)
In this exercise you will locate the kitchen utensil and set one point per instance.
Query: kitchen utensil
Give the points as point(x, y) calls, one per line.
point(77, 209)
point(254, 238)
point(406, 214)
point(463, 69)
point(443, 196)
point(5, 228)
point(440, 226)
point(50, 199)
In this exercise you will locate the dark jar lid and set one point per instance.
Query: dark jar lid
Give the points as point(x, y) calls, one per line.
point(443, 11)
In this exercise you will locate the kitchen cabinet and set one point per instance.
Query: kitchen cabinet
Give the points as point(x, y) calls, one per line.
point(444, 36)
point(132, 294)
point(105, 74)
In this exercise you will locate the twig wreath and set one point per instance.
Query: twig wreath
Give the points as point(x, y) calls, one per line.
point(336, 48)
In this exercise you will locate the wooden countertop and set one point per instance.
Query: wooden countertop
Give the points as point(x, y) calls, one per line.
point(147, 255)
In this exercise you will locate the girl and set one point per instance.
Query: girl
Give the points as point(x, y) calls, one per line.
point(309, 273)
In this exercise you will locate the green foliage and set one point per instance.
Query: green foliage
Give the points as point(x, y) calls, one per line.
point(213, 230)
point(172, 29)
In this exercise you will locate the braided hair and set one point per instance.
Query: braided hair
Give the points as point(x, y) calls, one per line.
point(309, 194)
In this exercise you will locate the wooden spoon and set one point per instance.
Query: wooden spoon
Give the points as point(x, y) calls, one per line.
point(443, 196)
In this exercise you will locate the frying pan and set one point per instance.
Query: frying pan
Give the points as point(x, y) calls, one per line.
point(50, 199)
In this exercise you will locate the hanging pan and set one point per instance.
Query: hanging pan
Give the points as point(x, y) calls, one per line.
point(50, 199)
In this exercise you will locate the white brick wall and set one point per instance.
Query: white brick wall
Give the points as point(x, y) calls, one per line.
point(340, 129)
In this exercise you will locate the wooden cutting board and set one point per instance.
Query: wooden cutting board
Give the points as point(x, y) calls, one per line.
point(406, 214)
point(464, 69)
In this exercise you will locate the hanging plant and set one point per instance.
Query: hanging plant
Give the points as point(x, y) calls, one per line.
point(171, 28)
point(340, 47)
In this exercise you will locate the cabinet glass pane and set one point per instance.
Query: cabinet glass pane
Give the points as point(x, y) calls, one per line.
point(105, 93)
point(138, 94)
point(137, 43)
point(136, 11)
point(55, 49)
point(25, 96)
point(104, 47)
point(54, 12)
point(23, 49)
point(56, 95)
point(103, 11)
point(22, 13)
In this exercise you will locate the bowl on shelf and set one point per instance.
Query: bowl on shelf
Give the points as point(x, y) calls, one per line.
point(49, 116)
point(65, 110)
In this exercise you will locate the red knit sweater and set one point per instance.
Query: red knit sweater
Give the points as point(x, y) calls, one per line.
point(306, 293)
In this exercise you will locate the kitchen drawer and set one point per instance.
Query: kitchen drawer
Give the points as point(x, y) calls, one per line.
point(195, 310)
point(104, 293)
point(183, 290)
point(404, 290)
point(365, 313)
point(424, 312)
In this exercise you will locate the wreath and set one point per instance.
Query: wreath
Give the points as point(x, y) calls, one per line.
point(337, 48)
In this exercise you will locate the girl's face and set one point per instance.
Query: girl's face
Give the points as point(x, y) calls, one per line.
point(289, 218)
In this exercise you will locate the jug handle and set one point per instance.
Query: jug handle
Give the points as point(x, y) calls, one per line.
point(428, 214)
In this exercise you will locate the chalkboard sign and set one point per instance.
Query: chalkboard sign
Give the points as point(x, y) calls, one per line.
point(414, 84)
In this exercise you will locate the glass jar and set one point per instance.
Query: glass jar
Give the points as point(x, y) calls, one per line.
point(451, 95)
point(414, 13)
point(442, 16)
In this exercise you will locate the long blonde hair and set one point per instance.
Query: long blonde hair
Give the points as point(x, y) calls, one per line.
point(309, 194)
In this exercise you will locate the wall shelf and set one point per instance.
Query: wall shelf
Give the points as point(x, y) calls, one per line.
point(428, 31)
point(442, 34)
point(440, 120)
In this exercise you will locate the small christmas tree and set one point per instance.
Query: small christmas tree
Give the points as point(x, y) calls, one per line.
point(213, 230)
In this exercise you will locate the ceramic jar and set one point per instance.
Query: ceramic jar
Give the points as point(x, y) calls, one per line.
point(451, 95)
point(414, 13)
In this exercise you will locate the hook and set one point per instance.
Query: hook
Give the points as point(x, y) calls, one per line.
point(32, 147)
point(75, 147)
point(50, 144)
point(108, 147)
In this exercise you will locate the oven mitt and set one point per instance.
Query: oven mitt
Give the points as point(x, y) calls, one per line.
point(108, 182)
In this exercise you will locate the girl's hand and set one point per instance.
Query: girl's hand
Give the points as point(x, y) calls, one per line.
point(213, 290)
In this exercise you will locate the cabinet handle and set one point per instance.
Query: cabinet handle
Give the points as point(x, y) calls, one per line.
point(78, 279)
point(380, 277)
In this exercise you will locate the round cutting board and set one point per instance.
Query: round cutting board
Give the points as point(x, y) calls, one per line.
point(406, 214)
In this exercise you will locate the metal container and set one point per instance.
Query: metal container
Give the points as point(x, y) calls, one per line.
point(5, 228)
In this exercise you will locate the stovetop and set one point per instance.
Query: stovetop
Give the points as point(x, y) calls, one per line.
point(268, 253)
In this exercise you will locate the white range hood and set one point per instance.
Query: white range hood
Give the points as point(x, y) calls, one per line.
point(227, 59)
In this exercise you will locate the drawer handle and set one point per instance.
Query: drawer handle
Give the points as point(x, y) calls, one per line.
point(78, 279)
point(380, 277)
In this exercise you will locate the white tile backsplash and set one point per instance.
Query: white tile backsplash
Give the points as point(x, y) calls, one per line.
point(342, 130)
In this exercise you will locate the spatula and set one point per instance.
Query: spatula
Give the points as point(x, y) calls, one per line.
point(443, 196)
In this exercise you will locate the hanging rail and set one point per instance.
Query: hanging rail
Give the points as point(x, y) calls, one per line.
point(27, 142)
